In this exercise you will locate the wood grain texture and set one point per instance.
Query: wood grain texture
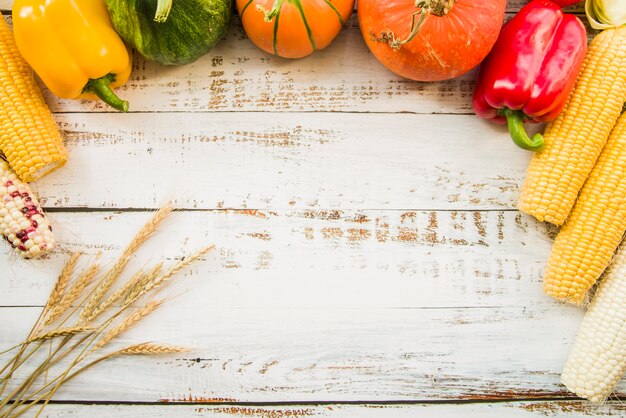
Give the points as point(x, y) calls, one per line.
point(374, 255)
point(317, 258)
point(292, 355)
point(336, 312)
point(562, 409)
point(306, 160)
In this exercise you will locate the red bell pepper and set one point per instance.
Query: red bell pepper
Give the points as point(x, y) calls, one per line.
point(564, 3)
point(531, 69)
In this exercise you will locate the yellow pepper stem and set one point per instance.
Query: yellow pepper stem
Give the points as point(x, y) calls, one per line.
point(101, 87)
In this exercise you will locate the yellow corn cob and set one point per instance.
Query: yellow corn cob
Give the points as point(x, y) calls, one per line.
point(587, 242)
point(575, 139)
point(29, 137)
point(22, 222)
point(597, 360)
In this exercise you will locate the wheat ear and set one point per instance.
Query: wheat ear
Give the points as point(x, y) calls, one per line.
point(64, 278)
point(115, 296)
point(149, 348)
point(159, 280)
point(131, 320)
point(137, 289)
point(61, 332)
point(114, 272)
point(73, 294)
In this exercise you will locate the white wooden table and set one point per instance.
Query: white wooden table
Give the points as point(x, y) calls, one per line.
point(370, 262)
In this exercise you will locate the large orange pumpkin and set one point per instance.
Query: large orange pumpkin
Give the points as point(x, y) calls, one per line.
point(293, 28)
point(430, 40)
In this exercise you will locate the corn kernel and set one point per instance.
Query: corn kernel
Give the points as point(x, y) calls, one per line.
point(30, 236)
point(586, 243)
point(597, 360)
point(28, 116)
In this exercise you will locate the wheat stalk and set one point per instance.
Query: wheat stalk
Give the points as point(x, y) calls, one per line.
point(53, 298)
point(111, 276)
point(80, 341)
point(44, 393)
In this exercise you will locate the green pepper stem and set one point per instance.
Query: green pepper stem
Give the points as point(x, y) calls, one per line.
point(162, 10)
point(101, 87)
point(515, 121)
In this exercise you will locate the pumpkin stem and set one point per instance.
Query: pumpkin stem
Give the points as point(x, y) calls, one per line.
point(273, 12)
point(162, 10)
point(438, 8)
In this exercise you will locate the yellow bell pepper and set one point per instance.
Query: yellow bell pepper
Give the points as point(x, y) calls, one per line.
point(73, 48)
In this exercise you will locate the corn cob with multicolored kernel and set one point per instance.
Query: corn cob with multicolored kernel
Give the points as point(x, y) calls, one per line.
point(575, 139)
point(586, 243)
point(22, 222)
point(29, 136)
point(597, 360)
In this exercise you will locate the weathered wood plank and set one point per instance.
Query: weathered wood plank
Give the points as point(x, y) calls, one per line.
point(291, 355)
point(317, 259)
point(328, 293)
point(335, 325)
point(306, 160)
point(563, 409)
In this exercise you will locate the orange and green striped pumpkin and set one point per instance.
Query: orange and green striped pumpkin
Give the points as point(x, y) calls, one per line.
point(293, 28)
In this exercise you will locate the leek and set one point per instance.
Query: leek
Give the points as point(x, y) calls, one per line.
point(604, 14)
